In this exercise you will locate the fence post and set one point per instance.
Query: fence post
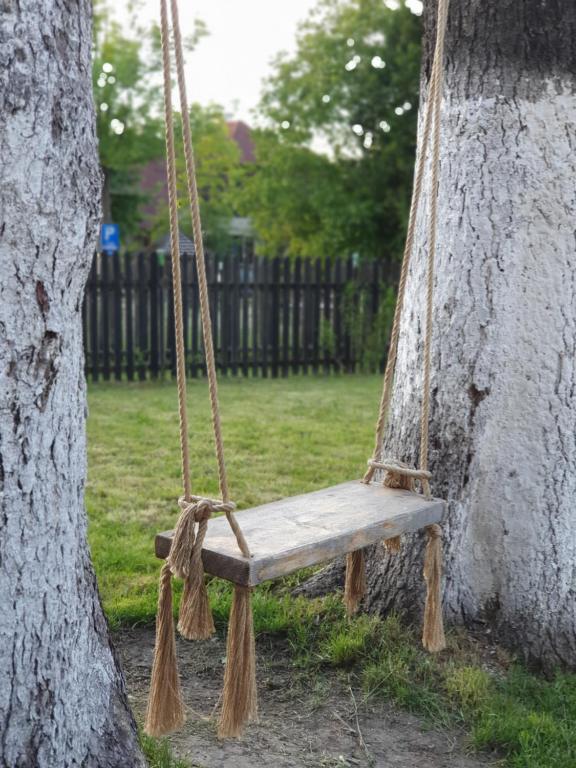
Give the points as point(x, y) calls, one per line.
point(185, 306)
point(296, 314)
point(245, 298)
point(128, 287)
point(349, 286)
point(94, 318)
point(328, 329)
point(264, 317)
point(317, 315)
point(143, 355)
point(154, 324)
point(235, 314)
point(105, 315)
point(274, 324)
point(117, 293)
point(338, 340)
point(286, 317)
point(255, 316)
point(195, 306)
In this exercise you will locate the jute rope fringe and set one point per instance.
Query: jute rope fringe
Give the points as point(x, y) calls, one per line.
point(398, 475)
point(165, 711)
point(433, 638)
point(399, 468)
point(355, 585)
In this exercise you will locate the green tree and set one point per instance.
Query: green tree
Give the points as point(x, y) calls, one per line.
point(127, 83)
point(294, 198)
point(218, 170)
point(351, 88)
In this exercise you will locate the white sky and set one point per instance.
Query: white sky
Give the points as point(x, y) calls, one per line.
point(227, 67)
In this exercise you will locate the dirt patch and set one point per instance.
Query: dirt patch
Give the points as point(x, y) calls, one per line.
point(306, 720)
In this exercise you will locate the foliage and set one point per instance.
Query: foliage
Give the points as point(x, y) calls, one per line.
point(294, 198)
point(218, 169)
point(134, 465)
point(352, 88)
point(368, 330)
point(126, 75)
point(158, 753)
point(127, 108)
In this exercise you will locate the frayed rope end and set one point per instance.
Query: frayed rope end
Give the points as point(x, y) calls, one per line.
point(433, 637)
point(195, 620)
point(165, 711)
point(239, 699)
point(355, 586)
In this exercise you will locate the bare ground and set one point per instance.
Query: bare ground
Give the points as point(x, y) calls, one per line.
point(306, 720)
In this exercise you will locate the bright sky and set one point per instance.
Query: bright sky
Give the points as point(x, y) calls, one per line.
point(228, 66)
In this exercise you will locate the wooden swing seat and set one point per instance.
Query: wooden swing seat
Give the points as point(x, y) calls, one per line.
point(305, 530)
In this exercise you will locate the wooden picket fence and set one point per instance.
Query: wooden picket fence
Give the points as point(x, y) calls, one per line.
point(270, 317)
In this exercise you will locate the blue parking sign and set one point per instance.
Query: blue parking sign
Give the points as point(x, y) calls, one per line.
point(109, 238)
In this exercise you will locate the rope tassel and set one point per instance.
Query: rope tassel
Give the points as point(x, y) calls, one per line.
point(165, 711)
point(239, 699)
point(355, 585)
point(185, 560)
point(195, 621)
point(433, 638)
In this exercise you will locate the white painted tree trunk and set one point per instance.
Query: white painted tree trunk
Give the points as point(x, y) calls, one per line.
point(62, 697)
point(503, 426)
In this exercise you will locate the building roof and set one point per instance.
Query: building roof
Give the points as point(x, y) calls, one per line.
point(186, 245)
point(242, 135)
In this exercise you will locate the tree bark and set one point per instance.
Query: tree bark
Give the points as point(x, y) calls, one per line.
point(62, 696)
point(503, 421)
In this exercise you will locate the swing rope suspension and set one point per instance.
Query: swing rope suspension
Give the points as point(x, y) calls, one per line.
point(289, 544)
point(200, 266)
point(430, 129)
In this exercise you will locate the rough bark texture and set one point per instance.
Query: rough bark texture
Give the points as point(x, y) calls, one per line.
point(503, 426)
point(62, 697)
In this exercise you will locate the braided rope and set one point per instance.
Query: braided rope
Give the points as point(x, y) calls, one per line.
point(400, 469)
point(201, 270)
point(431, 126)
point(175, 250)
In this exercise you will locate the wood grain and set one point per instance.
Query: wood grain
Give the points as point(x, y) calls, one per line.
point(308, 529)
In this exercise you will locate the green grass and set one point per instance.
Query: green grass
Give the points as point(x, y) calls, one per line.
point(284, 437)
point(159, 754)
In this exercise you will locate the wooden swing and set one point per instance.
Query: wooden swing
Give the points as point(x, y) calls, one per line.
point(302, 530)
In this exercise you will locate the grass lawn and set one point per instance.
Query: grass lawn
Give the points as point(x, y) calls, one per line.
point(284, 437)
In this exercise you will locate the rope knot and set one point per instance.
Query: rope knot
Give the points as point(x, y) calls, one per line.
point(201, 508)
point(434, 532)
point(186, 541)
point(400, 475)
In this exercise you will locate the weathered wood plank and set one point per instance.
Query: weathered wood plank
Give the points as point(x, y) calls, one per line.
point(300, 531)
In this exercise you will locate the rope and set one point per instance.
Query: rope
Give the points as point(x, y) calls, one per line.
point(201, 270)
point(175, 250)
point(399, 469)
point(431, 126)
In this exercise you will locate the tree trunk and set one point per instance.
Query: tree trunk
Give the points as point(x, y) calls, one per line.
point(62, 697)
point(503, 423)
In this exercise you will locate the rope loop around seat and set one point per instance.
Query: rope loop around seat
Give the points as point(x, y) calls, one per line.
point(391, 465)
point(401, 476)
point(202, 508)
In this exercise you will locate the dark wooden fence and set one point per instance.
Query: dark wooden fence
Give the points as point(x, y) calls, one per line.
point(270, 317)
